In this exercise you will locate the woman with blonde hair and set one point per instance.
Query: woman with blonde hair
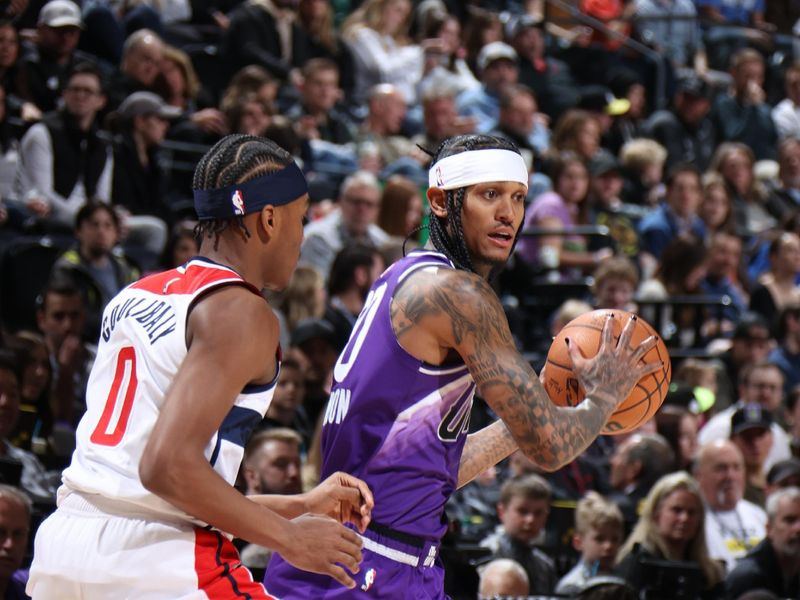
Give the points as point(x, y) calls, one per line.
point(377, 35)
point(671, 528)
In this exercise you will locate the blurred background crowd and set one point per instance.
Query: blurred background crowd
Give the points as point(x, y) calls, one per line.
point(663, 140)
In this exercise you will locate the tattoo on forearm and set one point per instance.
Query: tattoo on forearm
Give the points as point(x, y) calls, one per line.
point(550, 435)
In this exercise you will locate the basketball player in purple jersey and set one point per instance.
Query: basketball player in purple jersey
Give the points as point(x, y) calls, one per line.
point(431, 330)
point(186, 367)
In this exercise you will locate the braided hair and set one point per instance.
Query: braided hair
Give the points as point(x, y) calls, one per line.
point(235, 159)
point(452, 243)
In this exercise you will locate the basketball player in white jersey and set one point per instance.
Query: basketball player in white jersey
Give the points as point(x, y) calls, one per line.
point(186, 366)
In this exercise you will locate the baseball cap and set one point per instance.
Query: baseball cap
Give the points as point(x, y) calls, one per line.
point(308, 329)
point(495, 51)
point(599, 98)
point(750, 416)
point(747, 325)
point(147, 103)
point(60, 13)
point(603, 163)
point(695, 86)
point(782, 470)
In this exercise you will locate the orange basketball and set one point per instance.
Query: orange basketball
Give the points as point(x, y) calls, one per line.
point(586, 331)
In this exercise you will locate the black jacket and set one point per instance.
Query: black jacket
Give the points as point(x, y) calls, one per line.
point(760, 570)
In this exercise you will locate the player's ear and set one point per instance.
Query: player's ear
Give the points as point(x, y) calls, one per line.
point(266, 220)
point(437, 200)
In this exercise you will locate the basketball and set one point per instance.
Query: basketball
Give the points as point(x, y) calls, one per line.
point(586, 331)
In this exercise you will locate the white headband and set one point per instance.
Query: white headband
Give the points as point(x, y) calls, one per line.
point(477, 166)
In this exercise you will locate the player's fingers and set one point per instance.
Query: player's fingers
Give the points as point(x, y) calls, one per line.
point(607, 337)
point(627, 333)
point(653, 367)
point(575, 354)
point(340, 575)
point(644, 348)
point(348, 561)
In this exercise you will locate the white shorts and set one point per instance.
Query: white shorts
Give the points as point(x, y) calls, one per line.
point(85, 552)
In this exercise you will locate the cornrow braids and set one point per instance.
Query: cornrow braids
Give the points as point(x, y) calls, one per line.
point(452, 243)
point(235, 159)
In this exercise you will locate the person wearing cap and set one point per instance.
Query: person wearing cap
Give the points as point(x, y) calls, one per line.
point(497, 70)
point(783, 474)
point(432, 333)
point(550, 78)
point(142, 121)
point(598, 101)
point(744, 115)
point(45, 68)
point(751, 343)
point(63, 160)
point(773, 565)
point(734, 526)
point(759, 383)
point(685, 130)
point(186, 367)
point(751, 432)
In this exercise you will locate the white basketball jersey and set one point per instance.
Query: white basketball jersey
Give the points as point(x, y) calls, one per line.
point(142, 345)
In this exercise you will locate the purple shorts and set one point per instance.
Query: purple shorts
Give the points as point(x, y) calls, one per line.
point(387, 572)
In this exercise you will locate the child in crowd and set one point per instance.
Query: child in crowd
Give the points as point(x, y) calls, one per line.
point(598, 535)
point(523, 509)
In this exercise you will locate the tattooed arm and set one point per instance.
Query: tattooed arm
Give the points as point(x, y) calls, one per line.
point(448, 310)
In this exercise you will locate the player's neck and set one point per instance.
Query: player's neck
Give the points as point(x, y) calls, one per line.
point(229, 255)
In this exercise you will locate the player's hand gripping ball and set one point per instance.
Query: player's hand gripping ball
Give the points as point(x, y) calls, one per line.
point(586, 331)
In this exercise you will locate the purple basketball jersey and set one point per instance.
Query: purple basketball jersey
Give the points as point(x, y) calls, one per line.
point(394, 421)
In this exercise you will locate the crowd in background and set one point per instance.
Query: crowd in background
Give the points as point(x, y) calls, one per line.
point(663, 142)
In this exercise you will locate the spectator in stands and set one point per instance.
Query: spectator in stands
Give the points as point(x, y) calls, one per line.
point(180, 87)
point(607, 209)
point(750, 431)
point(760, 383)
point(678, 426)
point(444, 64)
point(377, 35)
point(716, 208)
point(742, 15)
point(502, 577)
point(523, 509)
point(64, 160)
point(271, 462)
point(61, 315)
point(733, 525)
point(250, 80)
point(637, 463)
point(303, 298)
point(754, 210)
point(316, 19)
point(142, 55)
point(180, 247)
point(777, 287)
point(36, 377)
point(579, 132)
point(286, 408)
point(744, 115)
point(497, 70)
point(15, 525)
point(773, 564)
point(11, 78)
point(783, 474)
point(520, 122)
point(355, 268)
point(44, 68)
point(599, 530)
point(315, 115)
point(20, 466)
point(686, 131)
point(382, 128)
point(642, 162)
point(401, 209)
point(561, 209)
point(614, 283)
point(672, 528)
point(354, 220)
point(787, 355)
point(440, 119)
point(674, 217)
point(548, 77)
point(787, 188)
point(267, 34)
point(751, 343)
point(139, 181)
point(786, 113)
point(317, 341)
point(722, 278)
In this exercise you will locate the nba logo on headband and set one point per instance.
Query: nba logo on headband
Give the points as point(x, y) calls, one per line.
point(238, 202)
point(439, 178)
